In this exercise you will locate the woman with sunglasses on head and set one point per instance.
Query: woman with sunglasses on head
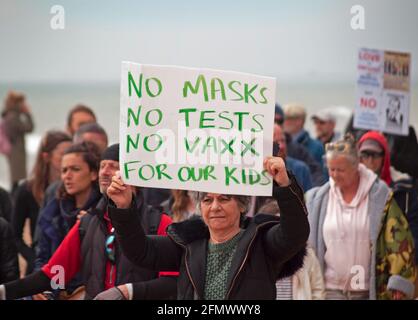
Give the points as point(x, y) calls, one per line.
point(360, 235)
point(30, 193)
point(220, 254)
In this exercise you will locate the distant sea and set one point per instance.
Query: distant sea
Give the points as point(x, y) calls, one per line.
point(50, 103)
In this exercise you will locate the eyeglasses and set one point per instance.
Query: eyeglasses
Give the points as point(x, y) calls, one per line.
point(370, 154)
point(342, 147)
point(110, 248)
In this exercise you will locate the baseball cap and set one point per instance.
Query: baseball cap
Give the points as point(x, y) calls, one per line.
point(324, 115)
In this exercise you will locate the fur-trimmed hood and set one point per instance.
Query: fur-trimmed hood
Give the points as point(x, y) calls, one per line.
point(195, 229)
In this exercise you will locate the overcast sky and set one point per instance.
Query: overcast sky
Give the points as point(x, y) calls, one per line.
point(293, 40)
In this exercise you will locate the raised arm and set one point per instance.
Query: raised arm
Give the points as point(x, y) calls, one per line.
point(286, 239)
point(152, 252)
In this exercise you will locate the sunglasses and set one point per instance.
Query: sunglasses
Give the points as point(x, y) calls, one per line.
point(109, 245)
point(338, 146)
point(371, 154)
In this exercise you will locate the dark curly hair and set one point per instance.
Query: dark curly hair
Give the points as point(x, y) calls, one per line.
point(90, 154)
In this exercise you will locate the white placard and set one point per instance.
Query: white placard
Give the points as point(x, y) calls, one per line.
point(196, 129)
point(383, 91)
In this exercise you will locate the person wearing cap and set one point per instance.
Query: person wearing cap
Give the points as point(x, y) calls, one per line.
point(324, 122)
point(360, 236)
point(91, 248)
point(374, 154)
point(294, 121)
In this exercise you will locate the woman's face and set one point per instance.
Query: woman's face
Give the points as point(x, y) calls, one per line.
point(56, 158)
point(220, 212)
point(76, 174)
point(342, 171)
point(372, 160)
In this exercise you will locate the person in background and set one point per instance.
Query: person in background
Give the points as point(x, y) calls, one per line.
point(403, 149)
point(404, 153)
point(374, 154)
point(180, 206)
point(294, 122)
point(29, 194)
point(78, 116)
point(9, 269)
point(324, 122)
point(220, 253)
point(298, 168)
point(361, 237)
point(88, 132)
point(18, 122)
point(92, 132)
point(6, 206)
point(78, 193)
point(307, 283)
point(155, 197)
point(299, 152)
point(90, 247)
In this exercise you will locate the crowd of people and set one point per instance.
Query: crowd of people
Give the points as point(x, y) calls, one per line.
point(342, 222)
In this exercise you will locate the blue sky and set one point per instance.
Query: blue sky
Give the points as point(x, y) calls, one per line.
point(292, 40)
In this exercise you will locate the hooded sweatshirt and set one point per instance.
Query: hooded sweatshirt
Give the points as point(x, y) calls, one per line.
point(374, 135)
point(346, 230)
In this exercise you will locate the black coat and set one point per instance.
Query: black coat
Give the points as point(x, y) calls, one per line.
point(5, 205)
point(94, 257)
point(9, 268)
point(93, 232)
point(270, 248)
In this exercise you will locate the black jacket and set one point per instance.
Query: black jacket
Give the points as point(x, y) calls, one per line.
point(25, 208)
point(269, 248)
point(404, 152)
point(9, 268)
point(5, 205)
point(93, 231)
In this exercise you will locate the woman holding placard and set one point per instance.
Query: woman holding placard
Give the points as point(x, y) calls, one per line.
point(222, 254)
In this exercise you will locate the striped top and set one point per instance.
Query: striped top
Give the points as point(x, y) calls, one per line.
point(284, 289)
